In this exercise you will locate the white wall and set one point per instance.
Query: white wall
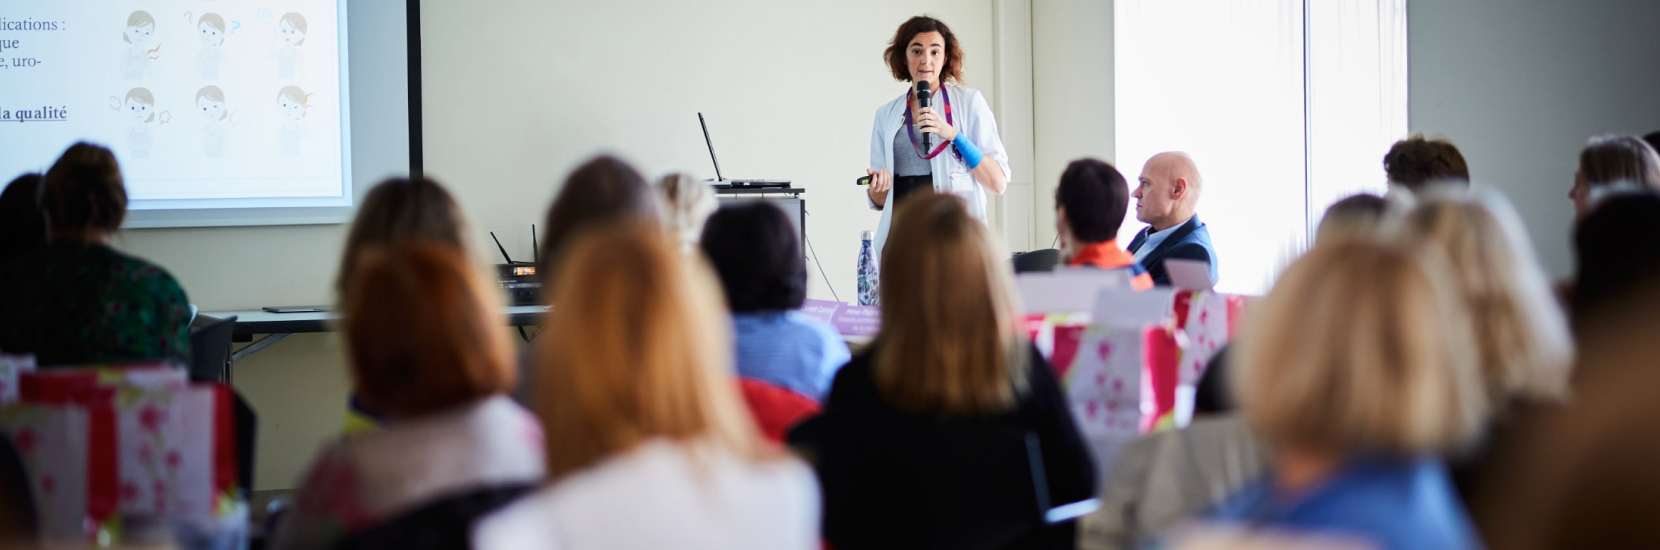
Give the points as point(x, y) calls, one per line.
point(1014, 104)
point(1519, 85)
point(1072, 83)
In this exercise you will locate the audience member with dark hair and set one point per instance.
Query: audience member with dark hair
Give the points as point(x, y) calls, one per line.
point(924, 440)
point(1613, 163)
point(648, 442)
point(1653, 140)
point(426, 346)
point(1090, 204)
point(754, 248)
point(1415, 162)
point(603, 190)
point(22, 223)
point(1355, 372)
point(1618, 252)
point(1584, 476)
point(1357, 216)
point(78, 301)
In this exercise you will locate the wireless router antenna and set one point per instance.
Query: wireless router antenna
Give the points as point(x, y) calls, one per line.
point(535, 249)
point(500, 247)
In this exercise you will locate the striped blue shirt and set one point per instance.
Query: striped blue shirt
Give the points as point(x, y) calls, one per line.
point(789, 349)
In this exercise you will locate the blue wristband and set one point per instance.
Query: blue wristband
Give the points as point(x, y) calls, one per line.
point(971, 154)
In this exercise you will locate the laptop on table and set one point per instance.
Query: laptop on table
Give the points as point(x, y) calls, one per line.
point(720, 181)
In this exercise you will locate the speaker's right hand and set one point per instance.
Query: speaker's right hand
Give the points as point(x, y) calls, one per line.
point(880, 180)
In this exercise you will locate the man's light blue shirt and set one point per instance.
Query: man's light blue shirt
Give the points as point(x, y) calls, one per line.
point(789, 349)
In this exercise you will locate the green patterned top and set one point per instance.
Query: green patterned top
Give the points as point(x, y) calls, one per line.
point(74, 303)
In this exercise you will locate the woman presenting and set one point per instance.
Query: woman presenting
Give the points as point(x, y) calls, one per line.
point(963, 156)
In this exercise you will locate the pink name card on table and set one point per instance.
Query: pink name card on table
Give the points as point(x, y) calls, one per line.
point(823, 310)
point(852, 320)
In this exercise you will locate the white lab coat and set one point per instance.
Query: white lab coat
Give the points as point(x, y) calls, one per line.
point(972, 117)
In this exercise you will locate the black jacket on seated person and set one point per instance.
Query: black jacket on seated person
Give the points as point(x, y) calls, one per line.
point(1188, 241)
point(893, 479)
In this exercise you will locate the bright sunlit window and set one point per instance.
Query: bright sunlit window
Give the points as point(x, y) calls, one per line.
point(1285, 105)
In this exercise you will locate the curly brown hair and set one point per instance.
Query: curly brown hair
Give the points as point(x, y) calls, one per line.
point(895, 54)
point(1415, 161)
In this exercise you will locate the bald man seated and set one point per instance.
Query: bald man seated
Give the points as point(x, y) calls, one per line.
point(1167, 199)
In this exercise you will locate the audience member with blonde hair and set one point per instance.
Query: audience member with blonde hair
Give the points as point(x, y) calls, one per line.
point(1613, 161)
point(1359, 216)
point(685, 204)
point(648, 442)
point(426, 347)
point(1354, 370)
point(923, 443)
point(1521, 335)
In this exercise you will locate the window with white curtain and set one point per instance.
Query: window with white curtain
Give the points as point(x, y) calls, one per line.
point(1285, 105)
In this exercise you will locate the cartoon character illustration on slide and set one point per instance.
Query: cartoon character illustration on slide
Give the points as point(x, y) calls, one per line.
point(292, 103)
point(211, 28)
point(210, 101)
point(139, 36)
point(140, 108)
point(291, 31)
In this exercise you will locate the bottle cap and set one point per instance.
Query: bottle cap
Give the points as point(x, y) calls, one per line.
point(867, 235)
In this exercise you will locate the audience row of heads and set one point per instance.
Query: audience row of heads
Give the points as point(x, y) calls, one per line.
point(1412, 283)
point(606, 191)
point(1408, 324)
point(639, 345)
point(1405, 327)
point(1608, 163)
point(81, 197)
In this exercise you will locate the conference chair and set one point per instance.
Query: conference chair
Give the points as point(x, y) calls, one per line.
point(210, 361)
point(15, 498)
point(444, 524)
point(949, 487)
point(210, 349)
point(1037, 260)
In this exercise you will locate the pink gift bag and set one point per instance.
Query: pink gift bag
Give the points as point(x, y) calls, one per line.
point(105, 448)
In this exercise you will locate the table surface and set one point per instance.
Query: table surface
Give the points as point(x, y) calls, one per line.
point(252, 322)
point(264, 322)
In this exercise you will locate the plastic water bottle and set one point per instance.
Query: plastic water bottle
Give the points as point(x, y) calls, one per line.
point(867, 270)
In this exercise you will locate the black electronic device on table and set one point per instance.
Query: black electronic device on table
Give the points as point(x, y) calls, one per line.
point(519, 279)
point(721, 181)
point(294, 309)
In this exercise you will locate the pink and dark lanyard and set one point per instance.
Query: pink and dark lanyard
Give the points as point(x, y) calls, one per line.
point(910, 130)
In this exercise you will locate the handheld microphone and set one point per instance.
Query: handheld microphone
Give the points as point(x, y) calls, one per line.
point(922, 96)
